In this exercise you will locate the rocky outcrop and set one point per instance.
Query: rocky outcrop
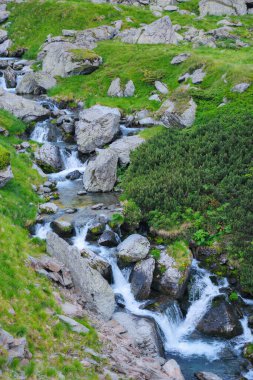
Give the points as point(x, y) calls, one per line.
point(180, 58)
point(178, 113)
point(48, 158)
point(35, 83)
point(65, 59)
point(10, 77)
point(220, 320)
point(143, 331)
point(5, 176)
point(15, 348)
point(24, 109)
point(98, 294)
point(124, 146)
point(159, 32)
point(141, 278)
point(169, 277)
point(222, 7)
point(100, 174)
point(96, 127)
point(134, 248)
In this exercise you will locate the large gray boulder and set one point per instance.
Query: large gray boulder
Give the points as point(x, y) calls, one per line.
point(220, 320)
point(142, 277)
point(64, 59)
point(124, 146)
point(101, 174)
point(5, 175)
point(24, 109)
point(134, 248)
point(177, 114)
point(95, 289)
point(222, 7)
point(48, 158)
point(35, 83)
point(4, 48)
point(143, 331)
point(159, 32)
point(170, 276)
point(96, 127)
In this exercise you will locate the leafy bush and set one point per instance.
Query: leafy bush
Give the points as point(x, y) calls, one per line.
point(233, 297)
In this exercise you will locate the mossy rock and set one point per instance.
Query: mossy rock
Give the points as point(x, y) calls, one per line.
point(84, 54)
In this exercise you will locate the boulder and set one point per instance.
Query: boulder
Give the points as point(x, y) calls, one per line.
point(65, 59)
point(10, 77)
point(134, 248)
point(101, 173)
point(159, 32)
point(161, 87)
point(241, 87)
point(96, 127)
point(74, 175)
point(98, 263)
point(207, 376)
point(178, 114)
point(142, 277)
point(124, 146)
point(197, 76)
point(48, 158)
point(74, 325)
point(98, 294)
point(16, 348)
point(171, 275)
point(220, 320)
point(172, 370)
point(62, 228)
point(180, 58)
point(115, 89)
point(222, 7)
point(95, 229)
point(5, 175)
point(143, 331)
point(88, 38)
point(4, 48)
point(109, 239)
point(129, 89)
point(48, 208)
point(35, 83)
point(24, 109)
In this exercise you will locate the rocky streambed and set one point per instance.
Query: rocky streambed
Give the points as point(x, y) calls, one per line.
point(169, 313)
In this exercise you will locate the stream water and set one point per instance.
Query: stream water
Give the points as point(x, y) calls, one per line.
point(193, 351)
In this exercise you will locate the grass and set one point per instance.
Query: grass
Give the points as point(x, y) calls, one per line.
point(27, 305)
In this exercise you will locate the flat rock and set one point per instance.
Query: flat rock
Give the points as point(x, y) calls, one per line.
point(161, 87)
point(180, 58)
point(75, 326)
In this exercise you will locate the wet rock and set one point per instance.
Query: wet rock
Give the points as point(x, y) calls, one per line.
point(62, 228)
point(101, 174)
point(241, 87)
point(74, 175)
point(95, 229)
point(66, 123)
point(159, 32)
point(10, 77)
point(24, 109)
point(48, 208)
point(71, 210)
point(207, 376)
point(134, 248)
point(75, 326)
point(109, 239)
point(81, 192)
point(48, 158)
point(115, 89)
point(220, 320)
point(97, 126)
point(180, 58)
point(98, 294)
point(5, 176)
point(169, 277)
point(222, 7)
point(124, 146)
point(143, 331)
point(172, 369)
point(97, 206)
point(64, 59)
point(141, 278)
point(35, 83)
point(175, 114)
point(97, 262)
point(161, 87)
point(16, 348)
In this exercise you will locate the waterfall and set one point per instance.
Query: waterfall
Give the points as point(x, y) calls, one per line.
point(40, 132)
point(41, 230)
point(70, 162)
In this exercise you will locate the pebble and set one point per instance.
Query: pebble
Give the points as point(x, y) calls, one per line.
point(82, 192)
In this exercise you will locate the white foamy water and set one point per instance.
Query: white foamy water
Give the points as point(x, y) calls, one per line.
point(41, 230)
point(70, 162)
point(40, 132)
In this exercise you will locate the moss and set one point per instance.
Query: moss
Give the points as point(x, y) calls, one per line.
point(84, 54)
point(4, 158)
point(181, 254)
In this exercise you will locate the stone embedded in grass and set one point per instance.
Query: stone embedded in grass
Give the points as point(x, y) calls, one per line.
point(16, 348)
point(161, 87)
point(222, 7)
point(179, 113)
point(241, 87)
point(4, 15)
point(115, 89)
point(5, 175)
point(3, 35)
point(75, 326)
point(180, 58)
point(4, 48)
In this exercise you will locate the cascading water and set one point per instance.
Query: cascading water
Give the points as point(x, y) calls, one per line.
point(40, 132)
point(41, 230)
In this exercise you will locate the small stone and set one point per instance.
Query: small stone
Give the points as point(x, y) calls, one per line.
point(71, 210)
point(155, 97)
point(241, 87)
point(180, 58)
point(161, 87)
point(98, 206)
point(81, 192)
